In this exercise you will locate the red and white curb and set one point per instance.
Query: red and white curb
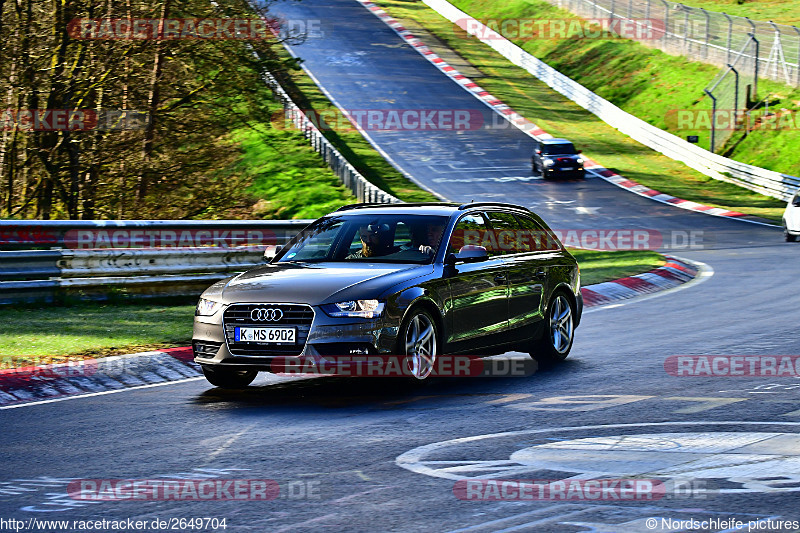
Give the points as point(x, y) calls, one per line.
point(674, 273)
point(532, 129)
point(50, 383)
point(92, 377)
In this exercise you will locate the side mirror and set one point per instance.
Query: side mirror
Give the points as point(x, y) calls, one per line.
point(796, 201)
point(468, 254)
point(580, 151)
point(538, 152)
point(271, 252)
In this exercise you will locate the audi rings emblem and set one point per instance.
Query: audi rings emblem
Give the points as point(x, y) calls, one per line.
point(261, 314)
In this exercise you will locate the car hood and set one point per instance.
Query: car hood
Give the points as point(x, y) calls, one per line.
point(314, 283)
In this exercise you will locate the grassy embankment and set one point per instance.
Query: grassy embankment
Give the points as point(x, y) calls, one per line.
point(643, 81)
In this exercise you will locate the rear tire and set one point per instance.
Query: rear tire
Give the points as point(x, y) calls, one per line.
point(229, 378)
point(555, 342)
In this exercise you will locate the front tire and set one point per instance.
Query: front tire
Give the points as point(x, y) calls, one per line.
point(555, 342)
point(788, 236)
point(418, 341)
point(229, 378)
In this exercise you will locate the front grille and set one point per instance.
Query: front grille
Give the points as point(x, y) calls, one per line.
point(206, 349)
point(295, 315)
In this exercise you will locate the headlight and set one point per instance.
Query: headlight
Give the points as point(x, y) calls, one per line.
point(579, 160)
point(207, 307)
point(548, 162)
point(355, 308)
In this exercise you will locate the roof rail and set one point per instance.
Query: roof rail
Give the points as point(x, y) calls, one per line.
point(404, 204)
point(491, 204)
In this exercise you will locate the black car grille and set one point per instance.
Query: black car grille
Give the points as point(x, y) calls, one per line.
point(237, 315)
point(206, 349)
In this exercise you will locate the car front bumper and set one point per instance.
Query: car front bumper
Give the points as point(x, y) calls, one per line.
point(327, 337)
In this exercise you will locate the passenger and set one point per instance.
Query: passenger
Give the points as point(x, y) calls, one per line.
point(376, 241)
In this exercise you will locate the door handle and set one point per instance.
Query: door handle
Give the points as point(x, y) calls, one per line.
point(500, 278)
point(539, 273)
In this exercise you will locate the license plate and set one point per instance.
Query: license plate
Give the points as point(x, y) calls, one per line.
point(267, 335)
point(567, 168)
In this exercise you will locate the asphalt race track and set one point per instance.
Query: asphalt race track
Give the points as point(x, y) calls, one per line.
point(377, 455)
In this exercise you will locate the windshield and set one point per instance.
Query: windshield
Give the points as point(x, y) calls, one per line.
point(390, 238)
point(558, 149)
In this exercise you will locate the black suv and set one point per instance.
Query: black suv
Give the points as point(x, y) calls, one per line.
point(411, 280)
point(555, 158)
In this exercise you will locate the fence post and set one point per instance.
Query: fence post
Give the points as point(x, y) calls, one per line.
point(797, 66)
point(755, 67)
point(730, 35)
point(630, 9)
point(735, 94)
point(708, 31)
point(685, 28)
point(666, 21)
point(713, 116)
point(647, 11)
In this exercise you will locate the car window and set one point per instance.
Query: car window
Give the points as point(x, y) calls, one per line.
point(396, 238)
point(505, 232)
point(317, 243)
point(559, 149)
point(471, 230)
point(534, 238)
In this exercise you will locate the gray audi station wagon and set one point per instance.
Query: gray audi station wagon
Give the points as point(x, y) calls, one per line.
point(412, 280)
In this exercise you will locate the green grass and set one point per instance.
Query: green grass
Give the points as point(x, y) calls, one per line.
point(643, 81)
point(33, 336)
point(778, 11)
point(289, 179)
point(81, 331)
point(599, 266)
point(351, 144)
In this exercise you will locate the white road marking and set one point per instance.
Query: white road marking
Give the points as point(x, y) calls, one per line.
point(748, 458)
point(91, 394)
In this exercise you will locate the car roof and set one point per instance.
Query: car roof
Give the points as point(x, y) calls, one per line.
point(426, 208)
point(555, 141)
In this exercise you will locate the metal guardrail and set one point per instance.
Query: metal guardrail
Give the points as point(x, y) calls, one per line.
point(91, 259)
point(361, 188)
point(767, 182)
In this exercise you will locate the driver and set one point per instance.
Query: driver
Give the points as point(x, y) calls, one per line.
point(376, 240)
